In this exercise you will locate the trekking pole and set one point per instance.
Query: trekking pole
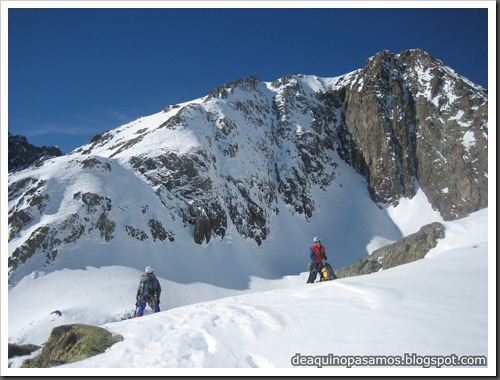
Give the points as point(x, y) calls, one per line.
point(136, 307)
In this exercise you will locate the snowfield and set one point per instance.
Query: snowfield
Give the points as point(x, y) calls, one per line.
point(430, 313)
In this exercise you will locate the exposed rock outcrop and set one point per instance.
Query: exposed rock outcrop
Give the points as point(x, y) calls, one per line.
point(411, 248)
point(72, 343)
point(22, 154)
point(21, 349)
point(414, 122)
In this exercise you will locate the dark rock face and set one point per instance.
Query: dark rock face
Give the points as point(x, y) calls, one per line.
point(452, 147)
point(411, 248)
point(23, 154)
point(380, 118)
point(413, 123)
point(21, 349)
point(71, 343)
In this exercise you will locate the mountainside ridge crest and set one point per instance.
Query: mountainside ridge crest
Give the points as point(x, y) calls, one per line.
point(251, 151)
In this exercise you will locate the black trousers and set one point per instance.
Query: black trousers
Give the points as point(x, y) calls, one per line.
point(315, 270)
point(314, 273)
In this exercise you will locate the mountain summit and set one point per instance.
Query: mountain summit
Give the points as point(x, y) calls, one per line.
point(22, 154)
point(254, 157)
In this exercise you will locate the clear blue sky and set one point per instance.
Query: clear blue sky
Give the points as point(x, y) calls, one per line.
point(74, 73)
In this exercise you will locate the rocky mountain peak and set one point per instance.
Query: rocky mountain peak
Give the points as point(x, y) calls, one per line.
point(413, 118)
point(252, 151)
point(23, 154)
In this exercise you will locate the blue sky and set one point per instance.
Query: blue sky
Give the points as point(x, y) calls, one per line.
point(73, 73)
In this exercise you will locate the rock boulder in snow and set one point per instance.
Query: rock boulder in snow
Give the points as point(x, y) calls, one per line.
point(71, 343)
point(411, 248)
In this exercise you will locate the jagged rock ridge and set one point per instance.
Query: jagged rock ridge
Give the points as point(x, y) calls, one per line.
point(23, 154)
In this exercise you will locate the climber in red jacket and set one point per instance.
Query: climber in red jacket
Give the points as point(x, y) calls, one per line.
point(317, 254)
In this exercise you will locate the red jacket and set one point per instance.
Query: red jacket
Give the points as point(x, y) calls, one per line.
point(316, 253)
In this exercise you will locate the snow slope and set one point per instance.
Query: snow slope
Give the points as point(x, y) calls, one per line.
point(349, 222)
point(435, 306)
point(231, 304)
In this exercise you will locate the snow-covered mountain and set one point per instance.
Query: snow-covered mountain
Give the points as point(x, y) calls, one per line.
point(223, 194)
point(254, 158)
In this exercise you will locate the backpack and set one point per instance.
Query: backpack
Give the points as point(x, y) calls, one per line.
point(327, 272)
point(148, 284)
